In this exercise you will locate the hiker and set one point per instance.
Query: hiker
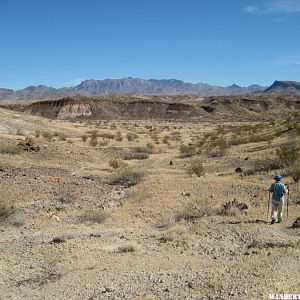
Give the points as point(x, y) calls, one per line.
point(278, 189)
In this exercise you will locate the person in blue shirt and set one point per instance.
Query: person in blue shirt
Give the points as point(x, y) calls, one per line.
point(278, 190)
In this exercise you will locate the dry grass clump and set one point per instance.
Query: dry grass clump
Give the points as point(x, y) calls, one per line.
point(125, 177)
point(116, 163)
point(131, 136)
point(93, 141)
point(106, 135)
point(195, 210)
point(196, 168)
point(135, 155)
point(84, 137)
point(189, 150)
point(288, 154)
point(118, 137)
point(60, 136)
point(148, 149)
point(263, 165)
point(6, 211)
point(47, 135)
point(93, 216)
point(10, 149)
point(126, 248)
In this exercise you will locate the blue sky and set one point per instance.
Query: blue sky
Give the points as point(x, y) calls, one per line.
point(61, 42)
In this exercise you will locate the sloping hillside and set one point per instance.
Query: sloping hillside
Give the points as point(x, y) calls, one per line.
point(166, 107)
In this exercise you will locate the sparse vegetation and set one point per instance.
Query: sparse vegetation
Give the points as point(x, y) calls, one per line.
point(116, 163)
point(131, 137)
point(196, 168)
point(93, 216)
point(125, 177)
point(6, 211)
point(10, 149)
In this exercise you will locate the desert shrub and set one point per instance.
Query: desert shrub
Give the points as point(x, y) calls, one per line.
point(103, 143)
point(131, 136)
point(196, 168)
point(93, 133)
point(125, 177)
point(148, 149)
point(93, 216)
point(295, 172)
point(84, 137)
point(62, 137)
point(93, 142)
point(166, 139)
point(10, 149)
point(119, 137)
point(194, 211)
point(189, 150)
point(288, 154)
point(126, 248)
point(263, 165)
point(106, 135)
point(135, 155)
point(116, 163)
point(6, 211)
point(47, 136)
point(37, 134)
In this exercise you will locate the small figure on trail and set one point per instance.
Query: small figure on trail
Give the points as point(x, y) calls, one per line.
point(278, 190)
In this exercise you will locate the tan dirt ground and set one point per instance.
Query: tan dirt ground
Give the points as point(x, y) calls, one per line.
point(74, 236)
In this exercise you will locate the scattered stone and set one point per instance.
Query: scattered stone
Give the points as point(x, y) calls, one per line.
point(234, 203)
point(296, 223)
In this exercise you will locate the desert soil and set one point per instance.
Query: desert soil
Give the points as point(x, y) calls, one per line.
point(74, 236)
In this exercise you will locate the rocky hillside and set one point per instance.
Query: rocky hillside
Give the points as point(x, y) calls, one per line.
point(165, 107)
point(127, 85)
point(284, 87)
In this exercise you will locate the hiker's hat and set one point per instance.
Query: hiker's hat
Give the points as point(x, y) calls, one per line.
point(277, 177)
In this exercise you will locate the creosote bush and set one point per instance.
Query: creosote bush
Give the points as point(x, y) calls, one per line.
point(135, 155)
point(93, 141)
point(288, 154)
point(84, 138)
point(116, 163)
point(196, 168)
point(131, 136)
point(125, 177)
point(6, 211)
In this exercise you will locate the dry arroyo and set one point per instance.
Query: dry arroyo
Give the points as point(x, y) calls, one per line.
point(113, 209)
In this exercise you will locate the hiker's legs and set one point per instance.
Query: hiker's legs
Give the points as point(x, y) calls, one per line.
point(274, 210)
point(280, 210)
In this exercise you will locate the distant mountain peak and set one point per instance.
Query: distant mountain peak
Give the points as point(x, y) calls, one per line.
point(284, 87)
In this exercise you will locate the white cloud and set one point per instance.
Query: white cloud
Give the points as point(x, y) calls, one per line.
point(75, 81)
point(275, 6)
point(289, 60)
point(251, 9)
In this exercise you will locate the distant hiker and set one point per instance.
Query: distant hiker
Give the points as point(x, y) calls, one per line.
point(278, 189)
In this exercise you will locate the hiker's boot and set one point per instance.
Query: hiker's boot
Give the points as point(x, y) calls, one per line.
point(272, 221)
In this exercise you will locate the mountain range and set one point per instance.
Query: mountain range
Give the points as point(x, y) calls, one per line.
point(94, 87)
